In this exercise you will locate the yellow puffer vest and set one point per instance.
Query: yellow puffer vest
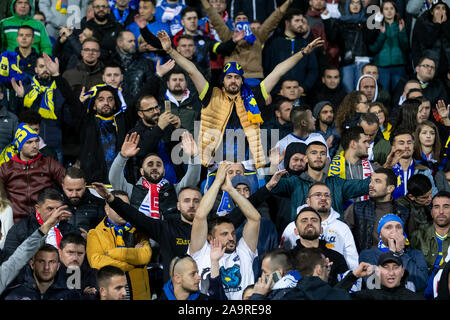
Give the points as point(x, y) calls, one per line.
point(213, 121)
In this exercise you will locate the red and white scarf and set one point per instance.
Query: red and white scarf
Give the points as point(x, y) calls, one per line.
point(150, 204)
point(54, 236)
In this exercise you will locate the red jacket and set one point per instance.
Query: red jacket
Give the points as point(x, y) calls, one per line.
point(24, 180)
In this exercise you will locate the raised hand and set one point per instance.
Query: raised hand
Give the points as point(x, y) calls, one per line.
point(238, 35)
point(83, 97)
point(130, 145)
point(162, 69)
point(227, 186)
point(18, 88)
point(52, 66)
point(217, 251)
point(316, 43)
point(188, 144)
point(393, 157)
point(221, 173)
point(262, 286)
point(442, 109)
point(101, 190)
point(275, 179)
point(364, 269)
point(166, 43)
point(165, 119)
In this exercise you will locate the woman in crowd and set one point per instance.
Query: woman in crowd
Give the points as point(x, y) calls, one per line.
point(390, 47)
point(383, 117)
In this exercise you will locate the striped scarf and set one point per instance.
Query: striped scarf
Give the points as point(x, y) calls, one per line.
point(150, 205)
point(54, 236)
point(119, 231)
point(47, 106)
point(337, 168)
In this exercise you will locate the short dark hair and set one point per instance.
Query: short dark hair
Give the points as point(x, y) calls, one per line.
point(142, 97)
point(391, 178)
point(398, 132)
point(369, 65)
point(280, 258)
point(442, 194)
point(351, 134)
point(195, 188)
point(72, 238)
point(306, 260)
point(49, 194)
point(278, 101)
point(316, 143)
point(187, 10)
point(330, 67)
point(214, 222)
point(412, 91)
point(106, 273)
point(418, 185)
point(26, 27)
point(113, 65)
point(425, 57)
point(30, 117)
point(317, 183)
point(308, 209)
point(291, 12)
point(46, 247)
point(75, 173)
point(370, 118)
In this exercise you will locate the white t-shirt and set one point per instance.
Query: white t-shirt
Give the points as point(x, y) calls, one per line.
point(290, 138)
point(236, 269)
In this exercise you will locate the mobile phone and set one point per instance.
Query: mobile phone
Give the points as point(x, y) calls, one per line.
point(276, 276)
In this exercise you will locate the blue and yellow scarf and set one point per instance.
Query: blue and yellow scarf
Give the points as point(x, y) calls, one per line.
point(401, 188)
point(61, 6)
point(119, 230)
point(9, 67)
point(22, 135)
point(47, 106)
point(254, 115)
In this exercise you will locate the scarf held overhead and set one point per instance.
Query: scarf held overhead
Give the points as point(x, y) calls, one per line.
point(47, 106)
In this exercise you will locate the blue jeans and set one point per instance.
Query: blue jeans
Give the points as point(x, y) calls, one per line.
point(350, 75)
point(390, 76)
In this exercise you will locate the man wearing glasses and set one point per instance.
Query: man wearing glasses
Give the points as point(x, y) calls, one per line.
point(89, 70)
point(432, 87)
point(105, 24)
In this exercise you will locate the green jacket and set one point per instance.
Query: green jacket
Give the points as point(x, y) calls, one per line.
point(9, 27)
point(390, 47)
point(296, 188)
point(425, 241)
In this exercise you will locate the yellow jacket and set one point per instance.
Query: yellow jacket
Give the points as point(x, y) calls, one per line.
point(213, 121)
point(101, 251)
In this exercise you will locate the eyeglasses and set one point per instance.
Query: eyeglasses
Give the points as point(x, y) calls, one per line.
point(91, 50)
point(151, 109)
point(321, 195)
point(427, 66)
point(100, 6)
point(177, 259)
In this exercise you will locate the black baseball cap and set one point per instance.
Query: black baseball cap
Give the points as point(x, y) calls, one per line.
point(389, 257)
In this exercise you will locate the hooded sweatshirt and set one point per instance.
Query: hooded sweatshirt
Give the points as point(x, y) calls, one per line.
point(9, 28)
point(375, 96)
point(335, 232)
